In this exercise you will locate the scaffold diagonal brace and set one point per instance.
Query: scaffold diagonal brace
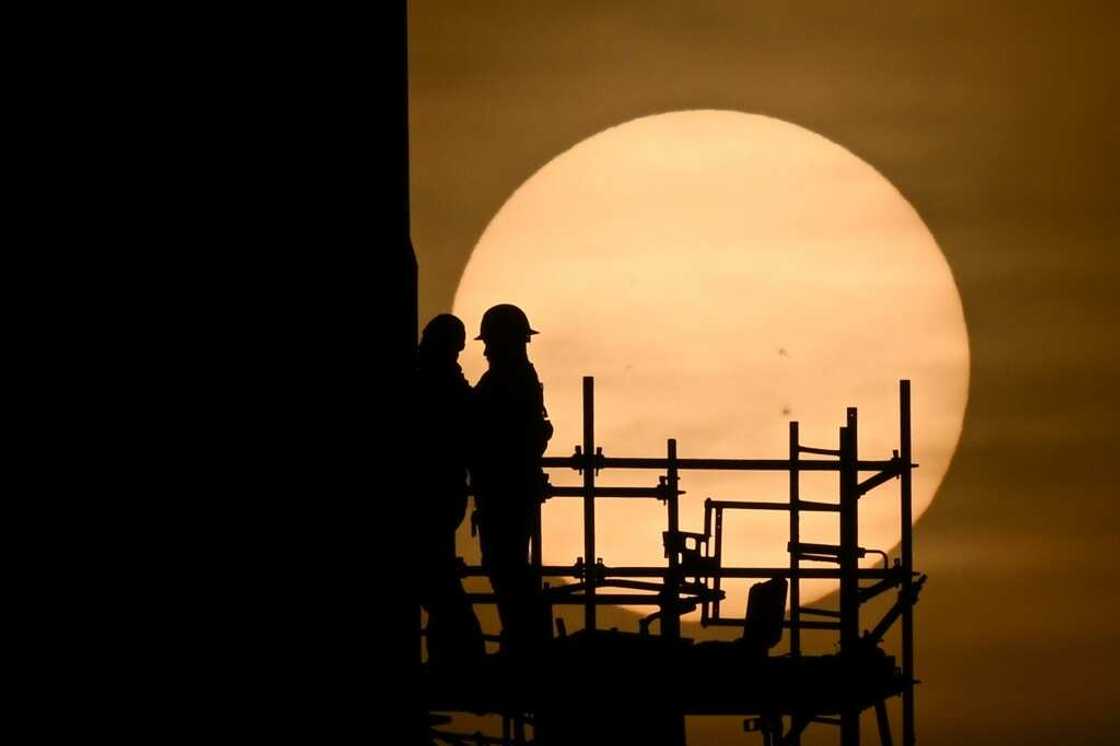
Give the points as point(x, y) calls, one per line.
point(904, 602)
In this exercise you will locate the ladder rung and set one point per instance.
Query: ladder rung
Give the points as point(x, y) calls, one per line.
point(819, 612)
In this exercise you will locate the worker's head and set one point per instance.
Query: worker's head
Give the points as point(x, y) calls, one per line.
point(443, 338)
point(505, 330)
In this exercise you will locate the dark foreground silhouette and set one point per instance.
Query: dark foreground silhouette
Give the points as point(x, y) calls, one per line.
point(443, 408)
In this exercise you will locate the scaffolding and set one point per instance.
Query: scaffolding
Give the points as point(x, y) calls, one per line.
point(783, 694)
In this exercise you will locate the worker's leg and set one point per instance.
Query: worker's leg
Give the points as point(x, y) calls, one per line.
point(505, 554)
point(462, 631)
point(454, 634)
point(428, 572)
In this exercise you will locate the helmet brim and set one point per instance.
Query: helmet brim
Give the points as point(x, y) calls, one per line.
point(481, 338)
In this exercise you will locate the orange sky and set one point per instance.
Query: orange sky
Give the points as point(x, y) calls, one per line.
point(999, 125)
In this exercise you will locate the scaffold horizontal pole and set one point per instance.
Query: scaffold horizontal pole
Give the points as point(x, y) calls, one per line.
point(598, 599)
point(710, 464)
point(605, 572)
point(820, 451)
point(804, 624)
point(806, 505)
point(634, 492)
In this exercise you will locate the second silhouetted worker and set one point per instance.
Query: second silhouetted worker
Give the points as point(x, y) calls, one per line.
point(443, 410)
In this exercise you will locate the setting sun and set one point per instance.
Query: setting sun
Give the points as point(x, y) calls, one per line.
point(720, 274)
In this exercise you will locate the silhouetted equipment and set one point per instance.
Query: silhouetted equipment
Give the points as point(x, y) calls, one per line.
point(592, 686)
point(766, 609)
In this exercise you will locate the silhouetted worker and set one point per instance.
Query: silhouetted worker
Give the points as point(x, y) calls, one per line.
point(443, 410)
point(511, 430)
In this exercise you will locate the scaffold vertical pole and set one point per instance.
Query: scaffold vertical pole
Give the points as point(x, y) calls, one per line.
point(536, 560)
point(704, 611)
point(670, 617)
point(849, 563)
point(535, 554)
point(794, 560)
point(794, 540)
point(719, 559)
point(908, 726)
point(589, 502)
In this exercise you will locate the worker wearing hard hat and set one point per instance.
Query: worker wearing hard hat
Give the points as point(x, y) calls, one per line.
point(442, 409)
point(510, 431)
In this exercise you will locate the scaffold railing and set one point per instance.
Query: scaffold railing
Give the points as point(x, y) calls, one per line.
point(693, 575)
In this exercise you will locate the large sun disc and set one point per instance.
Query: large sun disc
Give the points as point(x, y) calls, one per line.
point(720, 274)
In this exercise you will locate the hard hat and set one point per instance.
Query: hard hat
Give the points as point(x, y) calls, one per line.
point(445, 331)
point(504, 321)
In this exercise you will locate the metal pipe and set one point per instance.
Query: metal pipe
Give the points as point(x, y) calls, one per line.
point(908, 724)
point(536, 556)
point(805, 505)
point(849, 563)
point(705, 610)
point(794, 540)
point(719, 558)
point(589, 500)
point(735, 573)
point(805, 624)
point(884, 723)
point(670, 615)
point(601, 599)
point(715, 464)
point(613, 492)
point(819, 451)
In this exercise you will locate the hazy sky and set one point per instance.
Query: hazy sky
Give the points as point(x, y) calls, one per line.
point(999, 125)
